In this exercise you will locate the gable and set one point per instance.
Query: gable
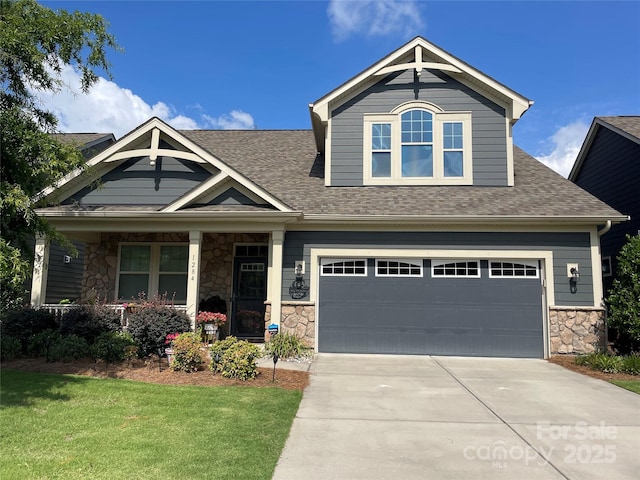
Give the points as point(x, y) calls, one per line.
point(450, 91)
point(155, 165)
point(434, 89)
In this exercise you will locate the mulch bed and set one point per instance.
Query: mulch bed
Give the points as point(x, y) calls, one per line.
point(149, 372)
point(568, 362)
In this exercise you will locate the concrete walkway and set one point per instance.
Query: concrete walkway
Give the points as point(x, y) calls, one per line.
point(413, 417)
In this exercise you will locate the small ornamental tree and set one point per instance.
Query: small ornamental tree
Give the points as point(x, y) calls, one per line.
point(624, 298)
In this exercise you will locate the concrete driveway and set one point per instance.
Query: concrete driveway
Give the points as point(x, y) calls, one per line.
point(418, 417)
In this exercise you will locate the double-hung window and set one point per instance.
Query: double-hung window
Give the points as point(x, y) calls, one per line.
point(416, 145)
point(153, 269)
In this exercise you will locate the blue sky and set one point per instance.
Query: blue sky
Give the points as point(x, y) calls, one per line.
point(223, 64)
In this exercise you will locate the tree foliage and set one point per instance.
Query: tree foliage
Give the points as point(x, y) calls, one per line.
point(624, 298)
point(35, 43)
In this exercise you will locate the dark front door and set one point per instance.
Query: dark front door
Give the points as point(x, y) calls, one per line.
point(249, 295)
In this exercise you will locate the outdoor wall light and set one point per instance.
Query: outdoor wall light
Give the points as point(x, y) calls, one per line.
point(152, 163)
point(573, 280)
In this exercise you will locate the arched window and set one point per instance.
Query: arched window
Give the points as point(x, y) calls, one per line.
point(417, 144)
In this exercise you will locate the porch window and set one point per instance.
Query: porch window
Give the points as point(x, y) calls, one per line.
point(153, 269)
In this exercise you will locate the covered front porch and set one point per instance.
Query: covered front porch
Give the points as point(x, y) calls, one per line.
point(242, 268)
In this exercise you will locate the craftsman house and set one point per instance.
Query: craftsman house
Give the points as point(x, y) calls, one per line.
point(405, 221)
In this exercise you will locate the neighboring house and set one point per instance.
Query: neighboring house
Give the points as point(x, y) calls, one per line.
point(405, 221)
point(608, 167)
point(66, 270)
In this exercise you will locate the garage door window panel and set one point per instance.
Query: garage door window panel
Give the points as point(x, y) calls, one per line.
point(514, 270)
point(353, 268)
point(398, 268)
point(455, 269)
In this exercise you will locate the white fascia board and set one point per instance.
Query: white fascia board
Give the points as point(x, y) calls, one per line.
point(459, 219)
point(586, 146)
point(195, 193)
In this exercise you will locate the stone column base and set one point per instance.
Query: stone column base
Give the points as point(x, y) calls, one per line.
point(577, 330)
point(299, 319)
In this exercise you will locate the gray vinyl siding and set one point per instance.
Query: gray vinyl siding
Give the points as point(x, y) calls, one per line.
point(566, 248)
point(232, 197)
point(64, 279)
point(611, 172)
point(135, 182)
point(488, 124)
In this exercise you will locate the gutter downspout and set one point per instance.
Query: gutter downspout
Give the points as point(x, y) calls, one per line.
point(605, 229)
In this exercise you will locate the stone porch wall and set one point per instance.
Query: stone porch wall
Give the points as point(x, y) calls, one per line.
point(577, 330)
point(298, 318)
point(216, 268)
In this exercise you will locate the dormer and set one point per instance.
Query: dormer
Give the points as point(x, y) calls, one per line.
point(419, 116)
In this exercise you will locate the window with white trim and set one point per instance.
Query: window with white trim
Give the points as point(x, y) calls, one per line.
point(333, 267)
point(153, 269)
point(513, 270)
point(398, 268)
point(452, 268)
point(418, 144)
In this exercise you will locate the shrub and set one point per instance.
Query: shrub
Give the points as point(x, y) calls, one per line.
point(601, 361)
point(187, 353)
point(10, 347)
point(285, 345)
point(40, 343)
point(71, 347)
point(150, 324)
point(112, 346)
point(237, 359)
point(624, 298)
point(631, 364)
point(90, 321)
point(24, 324)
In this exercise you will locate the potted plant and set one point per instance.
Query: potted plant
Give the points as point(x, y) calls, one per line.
point(168, 341)
point(211, 322)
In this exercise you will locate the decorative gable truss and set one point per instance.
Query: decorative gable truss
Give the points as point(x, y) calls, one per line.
point(157, 166)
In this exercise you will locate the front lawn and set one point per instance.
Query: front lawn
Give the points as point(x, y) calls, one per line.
point(72, 427)
point(632, 385)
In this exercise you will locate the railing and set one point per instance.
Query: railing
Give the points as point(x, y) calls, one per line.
point(60, 309)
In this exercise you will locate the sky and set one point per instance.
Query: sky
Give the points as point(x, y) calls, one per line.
point(245, 65)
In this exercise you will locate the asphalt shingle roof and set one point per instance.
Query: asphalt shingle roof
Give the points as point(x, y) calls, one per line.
point(79, 138)
point(285, 163)
point(629, 124)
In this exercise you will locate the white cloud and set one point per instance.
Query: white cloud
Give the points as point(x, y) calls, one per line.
point(110, 108)
point(567, 141)
point(236, 120)
point(373, 17)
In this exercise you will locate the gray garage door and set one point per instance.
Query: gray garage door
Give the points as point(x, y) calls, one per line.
point(467, 308)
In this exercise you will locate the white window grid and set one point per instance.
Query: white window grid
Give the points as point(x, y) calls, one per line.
point(343, 267)
point(398, 268)
point(455, 269)
point(513, 269)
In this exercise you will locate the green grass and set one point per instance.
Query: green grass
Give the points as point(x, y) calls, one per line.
point(72, 427)
point(632, 385)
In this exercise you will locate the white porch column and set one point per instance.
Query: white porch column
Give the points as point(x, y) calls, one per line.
point(40, 271)
point(274, 286)
point(193, 280)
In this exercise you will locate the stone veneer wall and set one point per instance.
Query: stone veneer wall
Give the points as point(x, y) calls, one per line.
point(216, 268)
point(298, 318)
point(577, 330)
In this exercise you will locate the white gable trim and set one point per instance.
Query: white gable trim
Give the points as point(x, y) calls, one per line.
point(192, 152)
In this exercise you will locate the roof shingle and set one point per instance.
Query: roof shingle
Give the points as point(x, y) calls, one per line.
point(285, 163)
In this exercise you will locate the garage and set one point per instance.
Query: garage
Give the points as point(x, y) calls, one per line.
point(466, 307)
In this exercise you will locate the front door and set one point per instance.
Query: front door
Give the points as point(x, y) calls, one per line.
point(249, 295)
